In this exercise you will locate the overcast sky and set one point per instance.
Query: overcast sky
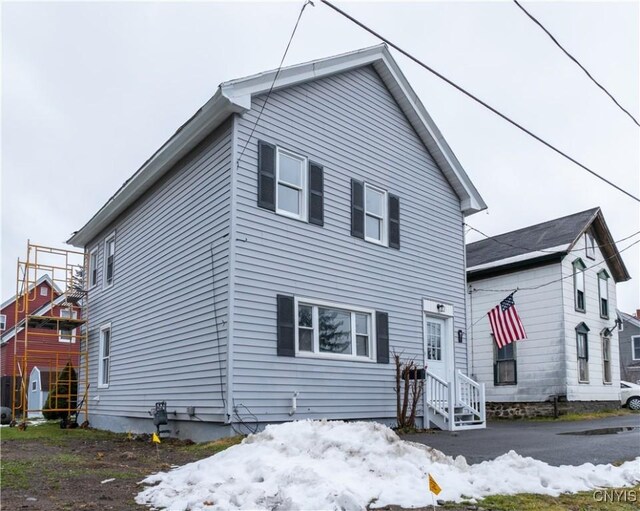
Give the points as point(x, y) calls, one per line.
point(91, 90)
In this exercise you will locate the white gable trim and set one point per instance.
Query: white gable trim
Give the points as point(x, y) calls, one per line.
point(235, 97)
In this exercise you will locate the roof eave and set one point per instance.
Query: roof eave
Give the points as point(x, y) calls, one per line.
point(242, 90)
point(235, 97)
point(212, 114)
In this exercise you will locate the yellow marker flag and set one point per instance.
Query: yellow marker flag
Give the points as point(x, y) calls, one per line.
point(433, 486)
point(156, 440)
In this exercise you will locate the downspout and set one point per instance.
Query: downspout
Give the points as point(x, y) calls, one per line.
point(466, 313)
point(232, 263)
point(564, 333)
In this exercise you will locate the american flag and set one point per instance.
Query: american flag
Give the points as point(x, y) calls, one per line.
point(505, 322)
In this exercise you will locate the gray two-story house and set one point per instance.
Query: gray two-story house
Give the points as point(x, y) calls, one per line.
point(268, 260)
point(629, 335)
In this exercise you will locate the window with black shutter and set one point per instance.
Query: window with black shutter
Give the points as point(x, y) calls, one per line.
point(310, 328)
point(375, 214)
point(289, 184)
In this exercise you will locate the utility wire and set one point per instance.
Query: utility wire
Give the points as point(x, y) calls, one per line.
point(601, 87)
point(492, 238)
point(478, 100)
point(273, 83)
point(533, 288)
point(473, 289)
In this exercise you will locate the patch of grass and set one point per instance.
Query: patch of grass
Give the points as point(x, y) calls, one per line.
point(16, 474)
point(624, 499)
point(53, 434)
point(211, 448)
point(569, 417)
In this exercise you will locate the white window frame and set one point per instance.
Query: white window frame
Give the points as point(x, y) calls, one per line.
point(579, 358)
point(634, 339)
point(316, 353)
point(384, 219)
point(34, 385)
point(111, 237)
point(93, 266)
point(101, 357)
point(603, 285)
point(44, 290)
point(70, 339)
point(589, 245)
point(606, 360)
point(3, 321)
point(304, 189)
point(579, 269)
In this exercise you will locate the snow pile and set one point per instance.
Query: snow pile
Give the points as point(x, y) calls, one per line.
point(338, 465)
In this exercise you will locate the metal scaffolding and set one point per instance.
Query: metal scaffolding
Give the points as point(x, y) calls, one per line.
point(51, 333)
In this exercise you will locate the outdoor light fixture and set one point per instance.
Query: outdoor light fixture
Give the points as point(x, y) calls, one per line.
point(440, 307)
point(459, 335)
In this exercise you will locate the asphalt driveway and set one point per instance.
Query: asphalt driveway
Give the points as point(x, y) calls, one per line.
point(546, 441)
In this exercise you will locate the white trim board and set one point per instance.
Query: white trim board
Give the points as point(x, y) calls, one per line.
point(235, 96)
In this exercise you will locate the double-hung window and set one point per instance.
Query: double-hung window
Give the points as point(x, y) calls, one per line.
point(290, 184)
point(635, 347)
point(603, 293)
point(504, 369)
point(578, 285)
point(375, 214)
point(109, 259)
point(291, 189)
point(606, 356)
point(582, 346)
point(67, 334)
point(93, 267)
point(104, 366)
point(329, 330)
point(3, 321)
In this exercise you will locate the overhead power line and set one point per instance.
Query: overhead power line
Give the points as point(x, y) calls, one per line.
point(273, 83)
point(478, 100)
point(544, 251)
point(595, 266)
point(601, 87)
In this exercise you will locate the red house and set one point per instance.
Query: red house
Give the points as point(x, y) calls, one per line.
point(47, 348)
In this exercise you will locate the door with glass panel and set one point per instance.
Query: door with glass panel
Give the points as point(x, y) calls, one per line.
point(435, 347)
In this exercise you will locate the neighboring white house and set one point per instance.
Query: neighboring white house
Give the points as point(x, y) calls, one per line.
point(565, 271)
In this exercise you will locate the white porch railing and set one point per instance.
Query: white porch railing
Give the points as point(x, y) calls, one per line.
point(454, 405)
point(438, 399)
point(470, 396)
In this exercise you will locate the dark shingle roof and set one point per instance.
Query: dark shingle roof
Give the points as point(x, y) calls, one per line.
point(554, 233)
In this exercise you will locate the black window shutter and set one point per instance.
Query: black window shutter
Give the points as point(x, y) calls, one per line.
point(286, 326)
point(357, 209)
point(266, 176)
point(382, 337)
point(394, 221)
point(316, 194)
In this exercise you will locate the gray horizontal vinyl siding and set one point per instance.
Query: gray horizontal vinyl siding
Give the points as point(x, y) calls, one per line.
point(165, 345)
point(349, 124)
point(628, 372)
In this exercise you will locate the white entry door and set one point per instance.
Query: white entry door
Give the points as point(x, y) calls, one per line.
point(435, 347)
